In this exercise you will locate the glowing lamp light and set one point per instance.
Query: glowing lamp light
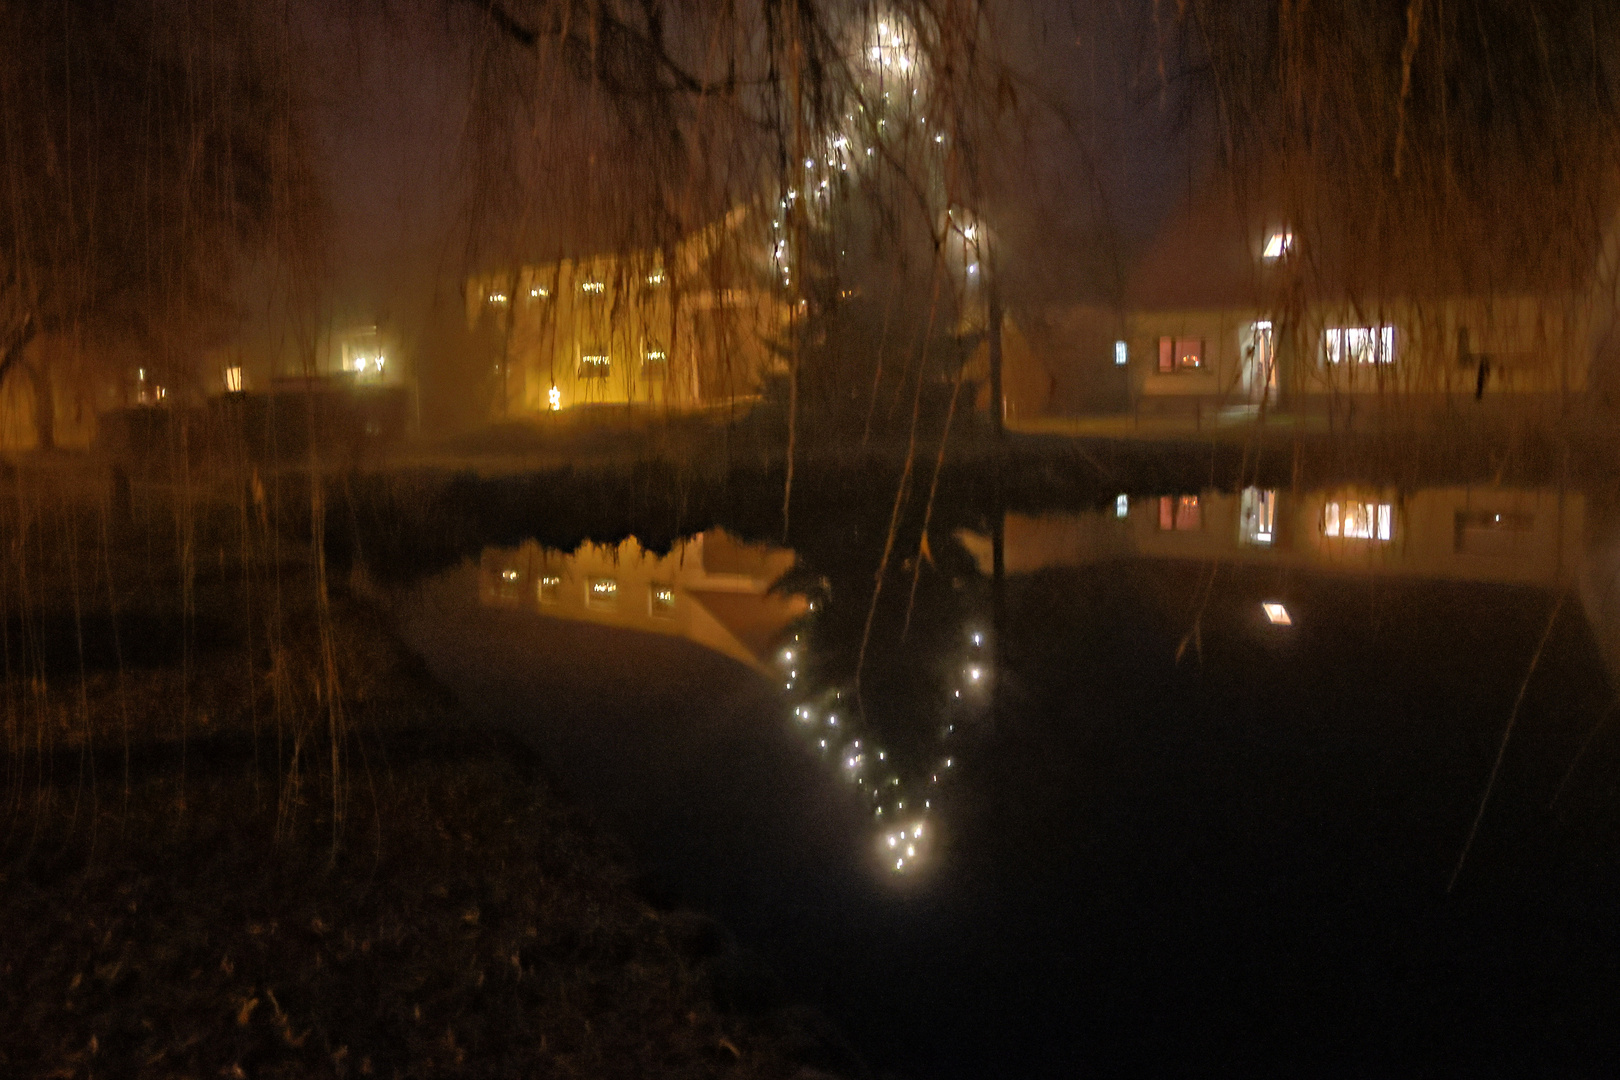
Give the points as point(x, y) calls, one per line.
point(554, 396)
point(1276, 613)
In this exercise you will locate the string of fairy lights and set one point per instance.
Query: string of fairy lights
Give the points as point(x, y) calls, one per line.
point(903, 804)
point(889, 121)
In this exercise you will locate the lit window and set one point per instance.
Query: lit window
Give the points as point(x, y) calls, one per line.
point(593, 287)
point(233, 380)
point(539, 294)
point(655, 362)
point(1276, 613)
point(655, 278)
point(549, 590)
point(1278, 244)
point(1257, 518)
point(1180, 354)
point(497, 298)
point(1121, 354)
point(1122, 506)
point(507, 587)
point(1358, 344)
point(1358, 520)
point(594, 365)
point(1181, 513)
point(661, 601)
point(601, 592)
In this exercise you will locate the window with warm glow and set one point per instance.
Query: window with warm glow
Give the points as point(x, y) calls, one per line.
point(1181, 513)
point(1180, 354)
point(1278, 244)
point(661, 600)
point(1358, 345)
point(601, 592)
point(594, 364)
point(549, 589)
point(233, 380)
point(1359, 520)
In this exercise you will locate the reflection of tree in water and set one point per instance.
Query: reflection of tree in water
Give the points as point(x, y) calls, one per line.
point(897, 738)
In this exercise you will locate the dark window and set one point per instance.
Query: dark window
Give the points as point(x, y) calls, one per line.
point(1489, 532)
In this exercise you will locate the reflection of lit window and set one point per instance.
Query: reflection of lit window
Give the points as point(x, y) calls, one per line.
point(1181, 513)
point(233, 380)
point(1358, 520)
point(1278, 244)
point(549, 591)
point(601, 591)
point(1257, 522)
point(1122, 506)
point(661, 600)
point(1359, 345)
point(1180, 354)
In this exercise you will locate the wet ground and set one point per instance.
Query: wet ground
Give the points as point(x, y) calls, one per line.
point(1166, 830)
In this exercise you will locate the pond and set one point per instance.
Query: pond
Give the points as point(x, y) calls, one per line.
point(1190, 783)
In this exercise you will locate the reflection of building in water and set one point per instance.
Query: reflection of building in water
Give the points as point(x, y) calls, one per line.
point(1462, 533)
point(711, 589)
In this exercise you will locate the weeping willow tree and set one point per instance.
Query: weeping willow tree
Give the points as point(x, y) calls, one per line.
point(848, 141)
point(1448, 165)
point(149, 153)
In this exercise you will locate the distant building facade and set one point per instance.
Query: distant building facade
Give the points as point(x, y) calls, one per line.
point(692, 326)
point(1238, 311)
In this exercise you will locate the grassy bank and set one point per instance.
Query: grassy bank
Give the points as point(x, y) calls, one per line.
point(404, 900)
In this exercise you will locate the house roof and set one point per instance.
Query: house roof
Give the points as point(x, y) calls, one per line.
point(1524, 236)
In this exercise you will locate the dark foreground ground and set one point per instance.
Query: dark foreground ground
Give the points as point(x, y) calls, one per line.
point(206, 920)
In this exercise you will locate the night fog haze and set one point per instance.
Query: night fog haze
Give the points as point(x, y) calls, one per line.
point(907, 540)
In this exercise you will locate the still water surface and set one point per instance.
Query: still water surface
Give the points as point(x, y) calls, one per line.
point(1184, 792)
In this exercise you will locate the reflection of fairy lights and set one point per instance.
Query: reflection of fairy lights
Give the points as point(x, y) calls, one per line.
point(841, 741)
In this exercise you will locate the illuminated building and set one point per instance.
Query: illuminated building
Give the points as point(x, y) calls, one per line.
point(685, 327)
